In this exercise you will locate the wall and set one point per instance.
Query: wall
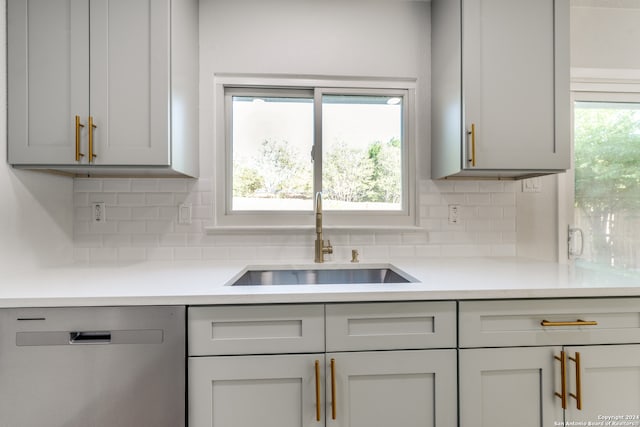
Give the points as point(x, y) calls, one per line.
point(605, 34)
point(366, 38)
point(36, 214)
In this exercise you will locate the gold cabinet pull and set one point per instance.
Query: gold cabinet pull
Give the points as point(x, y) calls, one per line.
point(333, 389)
point(78, 126)
point(563, 378)
point(92, 126)
point(578, 322)
point(473, 144)
point(578, 395)
point(317, 390)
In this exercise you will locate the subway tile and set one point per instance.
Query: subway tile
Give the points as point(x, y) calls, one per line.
point(132, 254)
point(215, 253)
point(106, 198)
point(503, 250)
point(374, 253)
point(144, 185)
point(116, 240)
point(117, 185)
point(159, 199)
point(132, 199)
point(465, 187)
point(145, 212)
point(80, 199)
point(430, 251)
point(159, 226)
point(503, 198)
point(172, 185)
point(187, 254)
point(117, 213)
point(402, 251)
point(478, 199)
point(131, 226)
point(103, 254)
point(144, 240)
point(159, 254)
point(173, 239)
point(87, 185)
point(491, 186)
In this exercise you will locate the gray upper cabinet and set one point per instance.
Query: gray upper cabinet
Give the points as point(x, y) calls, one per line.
point(500, 88)
point(106, 87)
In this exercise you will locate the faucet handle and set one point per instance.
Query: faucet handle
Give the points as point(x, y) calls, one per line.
point(329, 247)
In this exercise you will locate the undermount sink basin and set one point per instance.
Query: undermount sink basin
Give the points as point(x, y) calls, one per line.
point(320, 276)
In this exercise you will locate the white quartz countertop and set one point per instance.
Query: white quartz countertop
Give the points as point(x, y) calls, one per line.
point(200, 283)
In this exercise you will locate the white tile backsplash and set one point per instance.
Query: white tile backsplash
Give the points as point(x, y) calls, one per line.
point(142, 224)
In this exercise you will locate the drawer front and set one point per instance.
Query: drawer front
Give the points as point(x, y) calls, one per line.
point(391, 326)
point(509, 323)
point(255, 329)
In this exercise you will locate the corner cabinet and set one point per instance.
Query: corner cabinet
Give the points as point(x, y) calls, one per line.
point(542, 363)
point(103, 87)
point(270, 366)
point(500, 88)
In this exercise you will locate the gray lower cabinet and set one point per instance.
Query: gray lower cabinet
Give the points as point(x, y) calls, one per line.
point(239, 375)
point(522, 378)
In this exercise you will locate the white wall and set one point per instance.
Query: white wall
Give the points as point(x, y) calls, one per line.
point(605, 37)
point(36, 210)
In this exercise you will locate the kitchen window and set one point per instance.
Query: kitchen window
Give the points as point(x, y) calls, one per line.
point(606, 181)
point(284, 143)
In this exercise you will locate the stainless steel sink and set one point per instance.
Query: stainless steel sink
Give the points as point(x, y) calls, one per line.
point(309, 276)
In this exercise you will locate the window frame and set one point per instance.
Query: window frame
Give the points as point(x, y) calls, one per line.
point(227, 86)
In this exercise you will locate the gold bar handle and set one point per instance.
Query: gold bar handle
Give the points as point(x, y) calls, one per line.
point(78, 126)
point(472, 132)
point(92, 126)
point(578, 395)
point(317, 390)
point(333, 389)
point(578, 322)
point(563, 378)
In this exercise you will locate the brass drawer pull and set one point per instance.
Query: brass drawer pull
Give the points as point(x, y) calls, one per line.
point(78, 126)
point(563, 378)
point(472, 132)
point(578, 395)
point(333, 389)
point(578, 322)
point(317, 390)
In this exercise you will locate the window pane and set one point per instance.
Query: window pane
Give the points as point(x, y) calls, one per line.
point(272, 140)
point(362, 152)
point(607, 182)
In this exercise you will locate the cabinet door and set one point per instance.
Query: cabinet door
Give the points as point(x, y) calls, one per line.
point(392, 388)
point(249, 391)
point(48, 78)
point(516, 83)
point(503, 387)
point(609, 383)
point(130, 41)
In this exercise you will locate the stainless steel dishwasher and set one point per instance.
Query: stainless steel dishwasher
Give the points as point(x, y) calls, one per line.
point(92, 367)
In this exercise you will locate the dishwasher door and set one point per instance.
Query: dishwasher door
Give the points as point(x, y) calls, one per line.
point(92, 367)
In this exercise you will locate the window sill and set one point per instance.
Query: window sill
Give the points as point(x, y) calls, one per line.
point(307, 229)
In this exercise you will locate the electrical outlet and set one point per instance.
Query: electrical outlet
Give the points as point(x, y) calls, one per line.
point(98, 212)
point(184, 213)
point(454, 212)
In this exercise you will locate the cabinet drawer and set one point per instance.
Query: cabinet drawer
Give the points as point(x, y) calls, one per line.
point(256, 329)
point(508, 323)
point(391, 326)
